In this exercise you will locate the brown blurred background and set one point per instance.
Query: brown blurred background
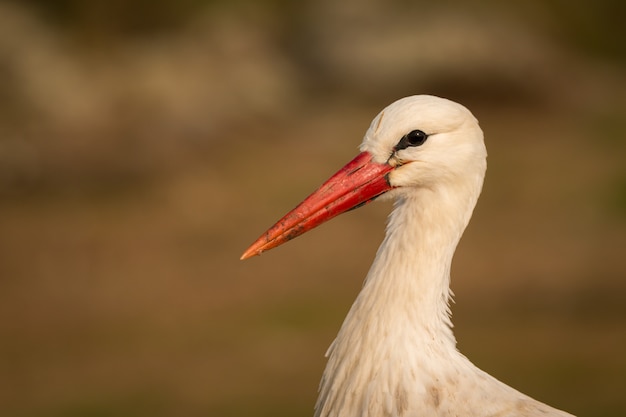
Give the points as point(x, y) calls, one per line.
point(145, 144)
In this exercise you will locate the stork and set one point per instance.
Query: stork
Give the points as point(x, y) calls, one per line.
point(395, 354)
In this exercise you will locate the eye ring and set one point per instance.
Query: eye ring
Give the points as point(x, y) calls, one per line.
point(413, 138)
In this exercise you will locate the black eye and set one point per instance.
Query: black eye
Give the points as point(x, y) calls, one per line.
point(413, 138)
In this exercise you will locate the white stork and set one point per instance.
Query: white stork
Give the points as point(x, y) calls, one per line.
point(395, 354)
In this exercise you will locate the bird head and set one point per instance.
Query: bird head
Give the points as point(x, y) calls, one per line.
point(418, 142)
point(429, 141)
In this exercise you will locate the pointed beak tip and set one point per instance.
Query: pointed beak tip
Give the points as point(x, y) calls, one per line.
point(248, 254)
point(257, 248)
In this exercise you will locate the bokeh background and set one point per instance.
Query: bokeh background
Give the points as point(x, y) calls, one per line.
point(145, 144)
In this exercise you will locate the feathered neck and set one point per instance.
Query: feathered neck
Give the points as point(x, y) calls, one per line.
point(401, 320)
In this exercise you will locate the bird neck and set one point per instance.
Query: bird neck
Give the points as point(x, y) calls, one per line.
point(398, 334)
point(409, 281)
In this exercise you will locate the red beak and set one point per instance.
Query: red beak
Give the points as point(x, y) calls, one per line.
point(357, 183)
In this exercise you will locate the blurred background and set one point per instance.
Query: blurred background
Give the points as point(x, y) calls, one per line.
point(145, 144)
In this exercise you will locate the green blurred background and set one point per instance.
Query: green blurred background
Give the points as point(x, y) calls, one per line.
point(144, 145)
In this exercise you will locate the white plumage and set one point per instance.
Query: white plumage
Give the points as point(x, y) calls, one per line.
point(395, 354)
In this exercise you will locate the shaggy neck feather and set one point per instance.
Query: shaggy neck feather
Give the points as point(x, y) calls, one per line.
point(401, 318)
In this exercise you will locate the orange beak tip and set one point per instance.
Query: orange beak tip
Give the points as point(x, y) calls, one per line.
point(249, 253)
